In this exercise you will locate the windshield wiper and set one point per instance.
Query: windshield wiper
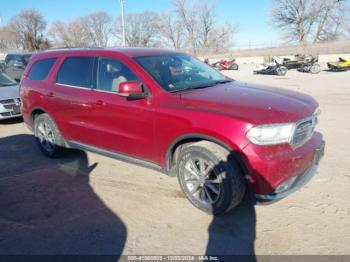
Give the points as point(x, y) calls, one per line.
point(192, 87)
point(223, 81)
point(8, 85)
point(214, 83)
point(181, 89)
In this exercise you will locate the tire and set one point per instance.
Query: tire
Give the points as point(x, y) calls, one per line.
point(281, 71)
point(216, 181)
point(48, 137)
point(234, 67)
point(220, 68)
point(315, 69)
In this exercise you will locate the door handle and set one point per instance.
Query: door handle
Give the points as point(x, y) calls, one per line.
point(51, 94)
point(100, 103)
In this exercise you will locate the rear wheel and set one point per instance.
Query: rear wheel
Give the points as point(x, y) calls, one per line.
point(234, 67)
point(315, 69)
point(48, 137)
point(210, 178)
point(281, 71)
point(220, 67)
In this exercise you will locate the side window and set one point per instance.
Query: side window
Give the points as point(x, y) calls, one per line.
point(111, 73)
point(41, 69)
point(77, 71)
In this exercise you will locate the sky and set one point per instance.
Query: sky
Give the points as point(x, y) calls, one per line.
point(252, 16)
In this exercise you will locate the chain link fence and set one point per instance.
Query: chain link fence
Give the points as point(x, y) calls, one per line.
point(269, 50)
point(266, 50)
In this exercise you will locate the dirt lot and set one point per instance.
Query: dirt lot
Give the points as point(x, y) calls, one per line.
point(90, 204)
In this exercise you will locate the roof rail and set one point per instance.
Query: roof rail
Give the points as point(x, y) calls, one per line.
point(69, 48)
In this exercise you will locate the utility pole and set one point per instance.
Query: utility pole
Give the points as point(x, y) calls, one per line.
point(123, 20)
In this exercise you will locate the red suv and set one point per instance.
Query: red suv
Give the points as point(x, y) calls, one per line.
point(171, 112)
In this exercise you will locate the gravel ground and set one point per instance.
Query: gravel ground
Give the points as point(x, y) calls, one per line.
point(90, 204)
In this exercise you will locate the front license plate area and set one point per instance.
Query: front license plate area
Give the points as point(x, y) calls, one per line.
point(16, 110)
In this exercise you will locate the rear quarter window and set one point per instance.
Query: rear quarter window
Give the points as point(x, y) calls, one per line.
point(77, 71)
point(41, 69)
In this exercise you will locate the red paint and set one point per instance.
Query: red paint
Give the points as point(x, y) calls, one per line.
point(145, 128)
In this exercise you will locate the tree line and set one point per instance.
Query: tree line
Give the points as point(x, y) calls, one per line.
point(306, 21)
point(191, 25)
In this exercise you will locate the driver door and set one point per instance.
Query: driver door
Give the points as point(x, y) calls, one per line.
point(123, 125)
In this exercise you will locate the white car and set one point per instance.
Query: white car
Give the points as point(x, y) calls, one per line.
point(9, 97)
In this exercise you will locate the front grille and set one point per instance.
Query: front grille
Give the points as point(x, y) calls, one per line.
point(304, 131)
point(7, 101)
point(6, 114)
point(12, 106)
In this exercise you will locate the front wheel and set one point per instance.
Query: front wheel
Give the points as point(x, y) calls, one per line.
point(210, 177)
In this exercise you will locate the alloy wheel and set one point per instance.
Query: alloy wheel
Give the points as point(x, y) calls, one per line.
point(202, 180)
point(46, 136)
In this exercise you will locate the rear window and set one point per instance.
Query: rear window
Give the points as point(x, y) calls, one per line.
point(41, 69)
point(13, 57)
point(77, 71)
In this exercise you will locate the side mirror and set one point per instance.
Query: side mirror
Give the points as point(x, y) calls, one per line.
point(131, 89)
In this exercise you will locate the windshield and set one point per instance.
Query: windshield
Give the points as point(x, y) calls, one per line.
point(177, 72)
point(23, 58)
point(5, 80)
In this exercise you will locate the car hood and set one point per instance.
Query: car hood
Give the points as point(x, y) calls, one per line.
point(9, 92)
point(255, 104)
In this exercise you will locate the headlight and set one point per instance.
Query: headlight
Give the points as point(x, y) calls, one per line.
point(271, 134)
point(317, 112)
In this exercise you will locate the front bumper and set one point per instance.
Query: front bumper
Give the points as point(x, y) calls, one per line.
point(270, 166)
point(299, 182)
point(10, 108)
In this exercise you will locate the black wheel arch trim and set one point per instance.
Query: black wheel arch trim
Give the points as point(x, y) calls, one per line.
point(45, 112)
point(37, 108)
point(171, 148)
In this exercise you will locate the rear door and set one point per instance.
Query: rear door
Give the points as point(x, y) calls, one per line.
point(71, 98)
